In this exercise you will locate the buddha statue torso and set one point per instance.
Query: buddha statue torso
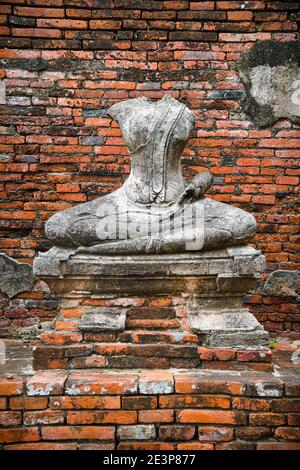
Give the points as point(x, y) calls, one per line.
point(155, 149)
point(156, 134)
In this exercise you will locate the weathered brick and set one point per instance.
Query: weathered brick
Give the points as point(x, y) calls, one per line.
point(139, 402)
point(145, 445)
point(294, 419)
point(194, 446)
point(88, 402)
point(156, 416)
point(194, 401)
point(176, 432)
point(10, 418)
point(102, 417)
point(156, 382)
point(277, 446)
point(214, 434)
point(267, 419)
point(42, 446)
point(33, 418)
point(46, 383)
point(291, 433)
point(252, 404)
point(253, 433)
point(98, 383)
point(138, 432)
point(11, 386)
point(19, 435)
point(105, 433)
point(285, 405)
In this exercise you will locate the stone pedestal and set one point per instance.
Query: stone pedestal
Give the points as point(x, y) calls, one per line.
point(152, 311)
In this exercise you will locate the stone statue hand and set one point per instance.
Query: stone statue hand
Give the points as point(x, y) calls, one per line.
point(196, 188)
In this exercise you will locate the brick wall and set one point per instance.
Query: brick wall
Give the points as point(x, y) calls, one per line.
point(57, 410)
point(64, 62)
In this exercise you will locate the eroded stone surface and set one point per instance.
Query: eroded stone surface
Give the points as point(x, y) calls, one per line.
point(15, 277)
point(109, 319)
point(270, 72)
point(283, 282)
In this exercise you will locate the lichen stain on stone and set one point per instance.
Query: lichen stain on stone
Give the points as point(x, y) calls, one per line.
point(15, 277)
point(284, 283)
point(270, 72)
point(72, 390)
point(265, 390)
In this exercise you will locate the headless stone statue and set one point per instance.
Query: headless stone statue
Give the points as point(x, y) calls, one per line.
point(156, 210)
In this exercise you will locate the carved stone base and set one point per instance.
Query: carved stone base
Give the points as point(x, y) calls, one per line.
point(155, 311)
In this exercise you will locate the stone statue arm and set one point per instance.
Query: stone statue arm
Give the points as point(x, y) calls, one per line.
point(196, 188)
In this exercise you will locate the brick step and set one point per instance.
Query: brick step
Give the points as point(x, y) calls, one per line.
point(143, 336)
point(115, 355)
point(131, 354)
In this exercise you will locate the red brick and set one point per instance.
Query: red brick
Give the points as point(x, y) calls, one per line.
point(105, 24)
point(294, 419)
point(194, 401)
point(253, 433)
point(291, 434)
point(293, 180)
point(60, 338)
point(139, 402)
point(10, 418)
point(255, 356)
point(194, 446)
point(19, 435)
point(62, 433)
point(154, 382)
point(11, 386)
point(74, 13)
point(176, 432)
point(32, 418)
point(207, 384)
point(278, 446)
point(3, 403)
point(92, 446)
point(252, 404)
point(239, 15)
point(64, 24)
point(285, 405)
point(156, 416)
point(113, 349)
point(39, 12)
point(42, 446)
point(208, 354)
point(211, 416)
point(207, 5)
point(144, 445)
point(69, 403)
point(213, 434)
point(267, 419)
point(102, 417)
point(93, 361)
